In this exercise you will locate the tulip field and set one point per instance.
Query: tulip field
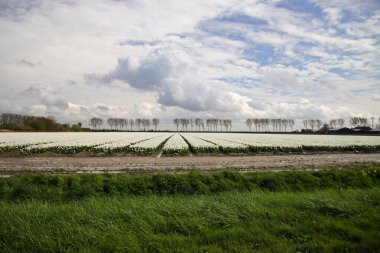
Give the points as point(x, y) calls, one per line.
point(146, 143)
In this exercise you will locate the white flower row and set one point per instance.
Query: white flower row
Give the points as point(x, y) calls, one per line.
point(198, 143)
point(77, 140)
point(130, 139)
point(202, 142)
point(153, 142)
point(217, 140)
point(24, 139)
point(287, 140)
point(62, 142)
point(176, 142)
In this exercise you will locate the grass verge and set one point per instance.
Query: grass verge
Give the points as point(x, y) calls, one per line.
point(324, 211)
point(68, 187)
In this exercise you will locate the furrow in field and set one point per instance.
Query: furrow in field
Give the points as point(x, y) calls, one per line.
point(149, 146)
point(176, 145)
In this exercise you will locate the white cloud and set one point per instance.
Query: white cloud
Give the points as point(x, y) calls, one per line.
point(205, 58)
point(174, 75)
point(376, 97)
point(305, 109)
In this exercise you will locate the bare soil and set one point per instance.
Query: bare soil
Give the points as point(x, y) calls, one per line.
point(12, 165)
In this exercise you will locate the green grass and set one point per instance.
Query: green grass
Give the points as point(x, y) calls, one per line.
point(68, 187)
point(319, 221)
point(324, 211)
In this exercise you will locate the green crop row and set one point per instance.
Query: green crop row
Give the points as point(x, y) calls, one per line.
point(24, 149)
point(171, 151)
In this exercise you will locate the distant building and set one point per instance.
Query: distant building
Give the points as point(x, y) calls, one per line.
point(356, 130)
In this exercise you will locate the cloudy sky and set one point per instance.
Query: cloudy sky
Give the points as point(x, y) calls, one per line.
point(76, 59)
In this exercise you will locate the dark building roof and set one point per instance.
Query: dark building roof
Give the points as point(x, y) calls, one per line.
point(356, 130)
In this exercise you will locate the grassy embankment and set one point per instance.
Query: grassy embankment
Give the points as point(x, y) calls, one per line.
point(325, 211)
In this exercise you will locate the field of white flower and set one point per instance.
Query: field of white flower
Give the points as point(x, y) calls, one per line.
point(150, 145)
point(225, 145)
point(198, 145)
point(151, 142)
point(176, 144)
point(289, 142)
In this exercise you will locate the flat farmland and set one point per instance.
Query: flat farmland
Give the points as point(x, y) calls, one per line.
point(150, 143)
point(180, 152)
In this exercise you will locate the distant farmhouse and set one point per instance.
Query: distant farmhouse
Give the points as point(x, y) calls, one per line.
point(357, 130)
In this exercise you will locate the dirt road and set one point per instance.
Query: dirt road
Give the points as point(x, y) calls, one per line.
point(21, 165)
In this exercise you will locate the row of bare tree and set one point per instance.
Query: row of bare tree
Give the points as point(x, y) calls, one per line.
point(262, 125)
point(354, 122)
point(337, 122)
point(120, 123)
point(358, 121)
point(211, 124)
point(313, 123)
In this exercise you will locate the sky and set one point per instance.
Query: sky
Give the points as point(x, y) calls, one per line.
point(77, 59)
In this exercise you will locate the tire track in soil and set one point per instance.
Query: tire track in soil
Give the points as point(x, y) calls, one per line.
point(136, 164)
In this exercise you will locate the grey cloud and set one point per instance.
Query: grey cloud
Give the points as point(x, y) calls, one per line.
point(175, 78)
point(15, 9)
point(137, 43)
point(102, 107)
point(45, 95)
point(28, 63)
point(145, 75)
point(281, 78)
point(71, 82)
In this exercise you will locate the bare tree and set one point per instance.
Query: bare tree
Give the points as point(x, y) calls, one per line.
point(333, 123)
point(176, 123)
point(364, 122)
point(256, 122)
point(111, 122)
point(284, 122)
point(93, 123)
point(138, 123)
point(155, 122)
point(291, 123)
point(96, 122)
point(187, 122)
point(118, 123)
point(311, 123)
point(198, 123)
point(220, 122)
point(318, 123)
point(305, 123)
point(131, 123)
point(99, 122)
point(145, 124)
point(184, 123)
point(249, 122)
point(340, 122)
point(123, 123)
point(358, 121)
point(353, 121)
point(230, 124)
